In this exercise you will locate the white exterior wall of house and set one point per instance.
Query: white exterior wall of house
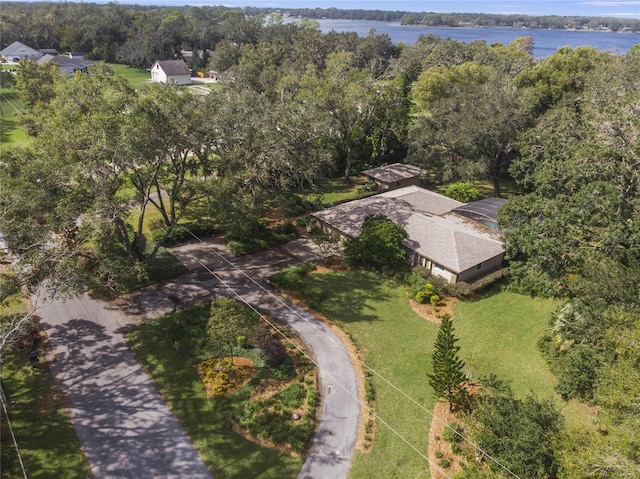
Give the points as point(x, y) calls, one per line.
point(178, 79)
point(482, 269)
point(158, 75)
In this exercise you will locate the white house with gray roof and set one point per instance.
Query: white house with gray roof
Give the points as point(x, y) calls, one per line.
point(447, 244)
point(17, 52)
point(171, 72)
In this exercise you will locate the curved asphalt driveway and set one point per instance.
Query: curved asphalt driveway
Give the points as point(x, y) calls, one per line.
point(215, 271)
point(125, 427)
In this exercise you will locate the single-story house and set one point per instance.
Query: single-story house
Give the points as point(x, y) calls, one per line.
point(396, 175)
point(19, 51)
point(66, 64)
point(449, 245)
point(171, 72)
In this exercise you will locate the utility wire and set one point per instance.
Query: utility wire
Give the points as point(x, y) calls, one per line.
point(312, 360)
point(13, 436)
point(354, 357)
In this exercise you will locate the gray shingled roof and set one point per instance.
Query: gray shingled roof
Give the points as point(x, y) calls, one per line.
point(393, 172)
point(424, 201)
point(174, 67)
point(454, 242)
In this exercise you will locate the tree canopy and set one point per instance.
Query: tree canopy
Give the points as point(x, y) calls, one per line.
point(379, 244)
point(112, 171)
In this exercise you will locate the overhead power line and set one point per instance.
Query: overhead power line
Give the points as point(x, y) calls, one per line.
point(354, 357)
point(313, 361)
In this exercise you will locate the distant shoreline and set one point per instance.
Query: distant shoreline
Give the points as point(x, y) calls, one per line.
point(486, 27)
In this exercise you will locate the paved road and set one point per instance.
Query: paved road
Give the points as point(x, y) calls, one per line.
point(124, 425)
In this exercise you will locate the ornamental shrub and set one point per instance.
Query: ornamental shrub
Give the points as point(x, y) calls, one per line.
point(462, 191)
point(421, 296)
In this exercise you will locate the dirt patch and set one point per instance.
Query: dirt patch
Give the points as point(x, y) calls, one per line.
point(329, 265)
point(428, 312)
point(438, 446)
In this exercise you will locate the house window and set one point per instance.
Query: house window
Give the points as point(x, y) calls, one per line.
point(438, 266)
point(479, 266)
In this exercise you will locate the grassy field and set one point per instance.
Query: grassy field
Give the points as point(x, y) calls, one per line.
point(396, 343)
point(137, 77)
point(11, 130)
point(206, 421)
point(46, 438)
point(498, 334)
point(336, 191)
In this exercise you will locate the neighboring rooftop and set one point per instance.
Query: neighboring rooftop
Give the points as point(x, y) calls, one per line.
point(19, 51)
point(393, 172)
point(67, 64)
point(174, 67)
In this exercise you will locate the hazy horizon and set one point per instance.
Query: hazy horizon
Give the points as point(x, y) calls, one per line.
point(626, 9)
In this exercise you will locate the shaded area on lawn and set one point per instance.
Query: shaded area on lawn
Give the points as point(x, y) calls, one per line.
point(170, 363)
point(47, 440)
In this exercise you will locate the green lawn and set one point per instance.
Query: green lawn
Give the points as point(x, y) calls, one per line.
point(336, 191)
point(498, 334)
point(137, 77)
point(46, 438)
point(11, 129)
point(396, 343)
point(206, 421)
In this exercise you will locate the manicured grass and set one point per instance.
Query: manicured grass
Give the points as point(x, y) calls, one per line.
point(498, 334)
point(46, 438)
point(206, 421)
point(396, 343)
point(336, 191)
point(137, 77)
point(11, 129)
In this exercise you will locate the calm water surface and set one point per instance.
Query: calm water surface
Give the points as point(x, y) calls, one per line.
point(546, 42)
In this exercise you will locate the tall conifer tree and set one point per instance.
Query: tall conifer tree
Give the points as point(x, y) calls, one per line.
point(447, 379)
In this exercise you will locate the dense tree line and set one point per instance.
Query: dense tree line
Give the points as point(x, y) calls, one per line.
point(306, 107)
point(553, 22)
point(139, 35)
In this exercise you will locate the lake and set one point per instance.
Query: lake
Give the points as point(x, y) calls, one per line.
point(546, 42)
